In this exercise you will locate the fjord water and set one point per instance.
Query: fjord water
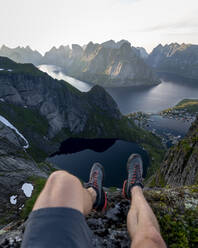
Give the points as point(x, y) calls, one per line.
point(131, 99)
point(78, 155)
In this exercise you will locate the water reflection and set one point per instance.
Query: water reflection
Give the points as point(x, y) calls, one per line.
point(56, 73)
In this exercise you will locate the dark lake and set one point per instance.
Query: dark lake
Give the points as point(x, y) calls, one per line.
point(78, 155)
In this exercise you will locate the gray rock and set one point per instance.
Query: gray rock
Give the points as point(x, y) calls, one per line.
point(16, 168)
point(109, 64)
point(21, 54)
point(180, 165)
point(174, 58)
point(11, 135)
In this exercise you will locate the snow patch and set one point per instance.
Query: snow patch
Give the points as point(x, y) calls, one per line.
point(13, 199)
point(2, 100)
point(8, 124)
point(10, 70)
point(27, 189)
point(2, 69)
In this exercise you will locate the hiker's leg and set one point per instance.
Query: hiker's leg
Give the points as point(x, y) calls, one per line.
point(65, 190)
point(142, 223)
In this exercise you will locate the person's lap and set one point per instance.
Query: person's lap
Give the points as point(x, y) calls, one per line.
point(57, 227)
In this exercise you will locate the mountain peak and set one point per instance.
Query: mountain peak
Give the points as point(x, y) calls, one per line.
point(109, 44)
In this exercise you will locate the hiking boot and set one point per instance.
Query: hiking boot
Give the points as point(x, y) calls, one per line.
point(96, 182)
point(135, 171)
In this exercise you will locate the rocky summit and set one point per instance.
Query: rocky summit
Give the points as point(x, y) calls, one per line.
point(174, 58)
point(176, 210)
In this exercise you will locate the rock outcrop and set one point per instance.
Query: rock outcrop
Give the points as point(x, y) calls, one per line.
point(16, 168)
point(176, 210)
point(108, 64)
point(180, 165)
point(142, 52)
point(178, 59)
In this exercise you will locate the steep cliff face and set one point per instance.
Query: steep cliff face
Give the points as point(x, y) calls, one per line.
point(180, 165)
point(16, 168)
point(174, 58)
point(108, 64)
point(142, 52)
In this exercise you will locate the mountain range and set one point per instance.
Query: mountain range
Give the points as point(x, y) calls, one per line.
point(114, 64)
point(178, 59)
point(109, 64)
point(21, 54)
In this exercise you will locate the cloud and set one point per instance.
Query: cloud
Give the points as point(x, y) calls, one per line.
point(185, 24)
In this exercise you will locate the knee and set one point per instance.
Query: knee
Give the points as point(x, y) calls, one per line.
point(150, 237)
point(63, 178)
point(155, 237)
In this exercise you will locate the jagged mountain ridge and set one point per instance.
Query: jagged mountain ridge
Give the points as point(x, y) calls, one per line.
point(180, 59)
point(21, 54)
point(109, 64)
point(174, 58)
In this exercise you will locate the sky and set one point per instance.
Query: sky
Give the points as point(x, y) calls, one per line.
point(42, 24)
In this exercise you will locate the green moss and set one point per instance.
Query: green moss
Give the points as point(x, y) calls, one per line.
point(30, 123)
point(193, 189)
point(47, 165)
point(38, 154)
point(38, 186)
point(112, 189)
point(179, 230)
point(187, 105)
point(17, 68)
point(190, 105)
point(24, 118)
